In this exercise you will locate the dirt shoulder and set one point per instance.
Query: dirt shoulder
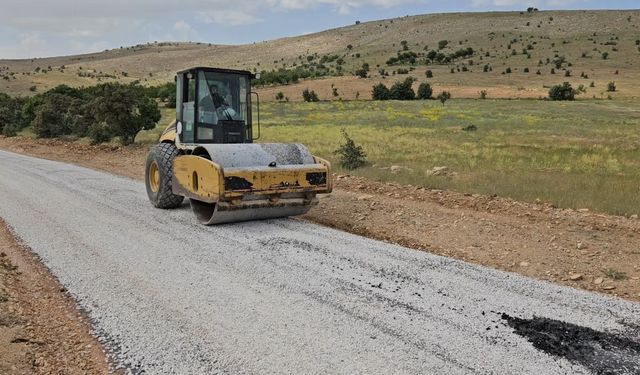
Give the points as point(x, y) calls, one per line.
point(41, 332)
point(577, 248)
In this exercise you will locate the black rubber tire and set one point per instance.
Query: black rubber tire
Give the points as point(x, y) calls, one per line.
point(162, 154)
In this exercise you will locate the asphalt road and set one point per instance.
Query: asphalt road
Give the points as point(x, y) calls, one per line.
point(169, 296)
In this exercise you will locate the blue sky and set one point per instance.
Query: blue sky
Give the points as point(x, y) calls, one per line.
point(61, 27)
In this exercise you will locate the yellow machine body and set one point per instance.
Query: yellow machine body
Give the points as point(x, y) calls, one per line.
point(239, 182)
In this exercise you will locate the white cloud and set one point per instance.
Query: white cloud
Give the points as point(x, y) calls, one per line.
point(342, 6)
point(228, 17)
point(183, 32)
point(523, 3)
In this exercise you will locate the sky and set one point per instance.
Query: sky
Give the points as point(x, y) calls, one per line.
point(40, 28)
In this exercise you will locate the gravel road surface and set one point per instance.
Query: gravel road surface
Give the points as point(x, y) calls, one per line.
point(169, 296)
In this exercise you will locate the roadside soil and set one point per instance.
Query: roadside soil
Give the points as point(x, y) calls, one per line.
point(577, 248)
point(41, 331)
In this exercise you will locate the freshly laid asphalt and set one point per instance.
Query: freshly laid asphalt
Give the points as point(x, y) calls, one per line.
point(169, 296)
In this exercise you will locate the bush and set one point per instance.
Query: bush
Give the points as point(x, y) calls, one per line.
point(403, 90)
point(425, 91)
point(444, 96)
point(99, 133)
point(352, 156)
point(361, 73)
point(11, 116)
point(429, 73)
point(280, 96)
point(562, 92)
point(611, 87)
point(125, 109)
point(310, 96)
point(50, 120)
point(483, 94)
point(380, 92)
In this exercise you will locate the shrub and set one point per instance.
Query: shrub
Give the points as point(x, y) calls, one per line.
point(526, 70)
point(99, 133)
point(483, 94)
point(442, 44)
point(33, 88)
point(309, 96)
point(11, 115)
point(403, 90)
point(125, 109)
point(280, 96)
point(429, 73)
point(611, 87)
point(380, 92)
point(352, 156)
point(562, 92)
point(50, 119)
point(444, 96)
point(605, 55)
point(425, 91)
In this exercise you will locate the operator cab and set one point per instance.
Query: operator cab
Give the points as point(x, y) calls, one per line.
point(214, 106)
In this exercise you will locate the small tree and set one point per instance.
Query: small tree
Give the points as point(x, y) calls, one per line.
point(483, 94)
point(380, 92)
point(352, 156)
point(403, 90)
point(280, 96)
point(444, 96)
point(605, 55)
point(611, 87)
point(361, 73)
point(49, 120)
point(425, 91)
point(124, 109)
point(310, 96)
point(562, 92)
point(429, 73)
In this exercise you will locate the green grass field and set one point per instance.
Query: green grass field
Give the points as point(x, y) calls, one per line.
point(583, 154)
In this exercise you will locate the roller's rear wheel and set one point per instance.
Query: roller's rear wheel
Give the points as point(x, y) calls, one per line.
point(157, 176)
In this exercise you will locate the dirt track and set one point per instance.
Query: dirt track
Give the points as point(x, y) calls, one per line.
point(167, 295)
point(41, 331)
point(568, 247)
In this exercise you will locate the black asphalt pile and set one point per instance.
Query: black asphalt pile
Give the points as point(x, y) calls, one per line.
point(601, 352)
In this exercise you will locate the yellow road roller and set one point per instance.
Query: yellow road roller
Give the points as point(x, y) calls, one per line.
point(209, 155)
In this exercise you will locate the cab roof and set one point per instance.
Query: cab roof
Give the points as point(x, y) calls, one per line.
point(217, 70)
